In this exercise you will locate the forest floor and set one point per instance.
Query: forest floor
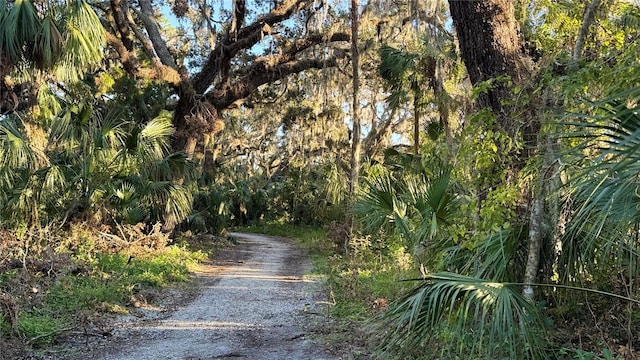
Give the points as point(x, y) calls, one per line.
point(253, 300)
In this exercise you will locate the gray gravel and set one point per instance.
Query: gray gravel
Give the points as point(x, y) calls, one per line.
point(254, 303)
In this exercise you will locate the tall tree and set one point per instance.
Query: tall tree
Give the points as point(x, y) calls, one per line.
point(494, 52)
point(490, 55)
point(355, 105)
point(229, 71)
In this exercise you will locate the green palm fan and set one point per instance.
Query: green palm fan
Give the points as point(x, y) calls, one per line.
point(457, 314)
point(48, 44)
point(606, 191)
point(19, 26)
point(84, 43)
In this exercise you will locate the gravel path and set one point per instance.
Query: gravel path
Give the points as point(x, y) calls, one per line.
point(254, 302)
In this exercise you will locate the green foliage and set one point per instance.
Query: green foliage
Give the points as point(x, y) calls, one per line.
point(40, 327)
point(415, 200)
point(111, 283)
point(359, 288)
point(305, 196)
point(578, 354)
point(604, 204)
point(66, 38)
point(104, 166)
point(447, 309)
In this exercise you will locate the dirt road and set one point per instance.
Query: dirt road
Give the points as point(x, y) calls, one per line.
point(254, 302)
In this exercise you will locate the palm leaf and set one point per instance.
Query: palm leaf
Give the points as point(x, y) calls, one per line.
point(49, 103)
point(606, 191)
point(487, 319)
point(19, 28)
point(168, 201)
point(153, 139)
point(112, 130)
point(15, 150)
point(501, 256)
point(394, 64)
point(124, 195)
point(48, 44)
point(174, 166)
point(379, 206)
point(434, 201)
point(84, 41)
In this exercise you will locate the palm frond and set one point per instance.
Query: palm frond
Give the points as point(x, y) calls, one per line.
point(379, 207)
point(15, 150)
point(484, 318)
point(47, 46)
point(153, 139)
point(134, 214)
point(19, 28)
point(112, 130)
point(54, 181)
point(124, 195)
point(434, 201)
point(49, 103)
point(64, 133)
point(501, 256)
point(84, 41)
point(606, 191)
point(394, 64)
point(168, 201)
point(172, 167)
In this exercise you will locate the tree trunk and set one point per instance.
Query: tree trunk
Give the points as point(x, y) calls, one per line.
point(355, 111)
point(491, 47)
point(535, 243)
point(587, 19)
point(355, 114)
point(490, 43)
point(416, 122)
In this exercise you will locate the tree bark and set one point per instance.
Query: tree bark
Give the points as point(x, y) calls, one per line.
point(587, 19)
point(491, 47)
point(490, 43)
point(153, 30)
point(535, 243)
point(355, 114)
point(417, 113)
point(355, 105)
point(119, 10)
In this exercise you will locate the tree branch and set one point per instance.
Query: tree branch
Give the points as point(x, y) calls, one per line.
point(271, 68)
point(237, 17)
point(165, 72)
point(128, 58)
point(219, 59)
point(159, 45)
point(260, 75)
point(587, 19)
point(120, 9)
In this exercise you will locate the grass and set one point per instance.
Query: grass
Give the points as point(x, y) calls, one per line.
point(106, 283)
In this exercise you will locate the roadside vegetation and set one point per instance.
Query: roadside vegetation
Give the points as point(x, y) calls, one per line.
point(74, 281)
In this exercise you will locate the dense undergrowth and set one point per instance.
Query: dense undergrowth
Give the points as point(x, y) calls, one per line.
point(53, 282)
